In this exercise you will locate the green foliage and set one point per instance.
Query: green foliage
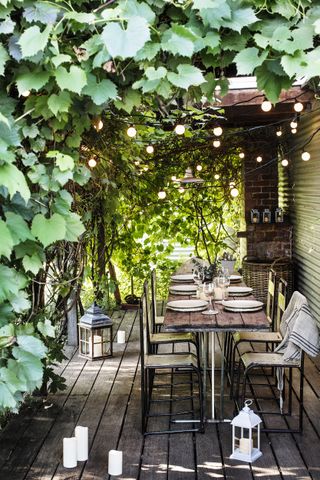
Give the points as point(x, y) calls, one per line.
point(60, 70)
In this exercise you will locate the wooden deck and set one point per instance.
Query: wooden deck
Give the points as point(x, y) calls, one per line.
point(105, 396)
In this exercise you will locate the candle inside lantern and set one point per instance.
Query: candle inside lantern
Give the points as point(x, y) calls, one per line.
point(121, 336)
point(70, 452)
point(245, 445)
point(115, 462)
point(97, 347)
point(81, 434)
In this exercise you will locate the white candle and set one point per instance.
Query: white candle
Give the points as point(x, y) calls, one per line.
point(218, 293)
point(115, 462)
point(245, 445)
point(70, 452)
point(81, 434)
point(97, 348)
point(121, 336)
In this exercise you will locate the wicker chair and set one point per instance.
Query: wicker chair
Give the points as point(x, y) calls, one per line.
point(152, 364)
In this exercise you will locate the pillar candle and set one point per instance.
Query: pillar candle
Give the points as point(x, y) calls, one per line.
point(121, 336)
point(245, 445)
point(81, 434)
point(115, 462)
point(70, 452)
point(218, 293)
point(97, 350)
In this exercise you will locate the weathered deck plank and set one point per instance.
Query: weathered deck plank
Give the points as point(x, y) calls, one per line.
point(105, 396)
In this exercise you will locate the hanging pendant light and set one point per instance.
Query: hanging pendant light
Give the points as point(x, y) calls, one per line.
point(189, 178)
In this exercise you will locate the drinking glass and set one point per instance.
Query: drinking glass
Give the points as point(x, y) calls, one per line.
point(208, 290)
point(224, 282)
point(197, 276)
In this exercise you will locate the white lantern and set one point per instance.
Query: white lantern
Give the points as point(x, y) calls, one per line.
point(95, 334)
point(246, 435)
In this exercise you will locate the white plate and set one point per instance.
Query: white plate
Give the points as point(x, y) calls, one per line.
point(183, 289)
point(186, 305)
point(238, 291)
point(187, 310)
point(235, 278)
point(183, 277)
point(239, 310)
point(242, 304)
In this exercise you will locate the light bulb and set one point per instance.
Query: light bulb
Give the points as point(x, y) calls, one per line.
point(92, 163)
point(131, 132)
point(284, 162)
point(217, 176)
point(150, 149)
point(259, 159)
point(241, 155)
point(173, 178)
point(279, 132)
point(97, 123)
point(216, 143)
point(293, 130)
point(179, 129)
point(162, 195)
point(234, 192)
point(298, 106)
point(217, 131)
point(293, 124)
point(26, 93)
point(199, 168)
point(305, 156)
point(181, 189)
point(266, 106)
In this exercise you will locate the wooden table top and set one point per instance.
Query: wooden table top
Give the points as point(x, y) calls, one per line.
point(224, 321)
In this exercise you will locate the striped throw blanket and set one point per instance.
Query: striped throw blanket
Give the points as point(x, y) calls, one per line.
point(299, 330)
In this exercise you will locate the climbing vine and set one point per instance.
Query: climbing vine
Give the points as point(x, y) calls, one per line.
point(63, 66)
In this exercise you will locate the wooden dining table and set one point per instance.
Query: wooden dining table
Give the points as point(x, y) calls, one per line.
point(223, 322)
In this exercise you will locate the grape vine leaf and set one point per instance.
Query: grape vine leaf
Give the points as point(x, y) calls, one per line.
point(49, 230)
point(125, 43)
point(3, 58)
point(32, 345)
point(14, 180)
point(248, 59)
point(187, 75)
point(32, 263)
point(6, 243)
point(74, 80)
point(74, 227)
point(100, 92)
point(18, 227)
point(59, 103)
point(33, 40)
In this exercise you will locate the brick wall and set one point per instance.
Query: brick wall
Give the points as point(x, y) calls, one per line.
point(269, 241)
point(261, 186)
point(264, 241)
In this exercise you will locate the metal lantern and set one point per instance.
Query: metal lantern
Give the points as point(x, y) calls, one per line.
point(266, 216)
point(278, 215)
point(246, 435)
point(95, 334)
point(255, 215)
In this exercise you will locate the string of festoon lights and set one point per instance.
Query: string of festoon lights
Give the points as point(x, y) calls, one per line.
point(215, 134)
